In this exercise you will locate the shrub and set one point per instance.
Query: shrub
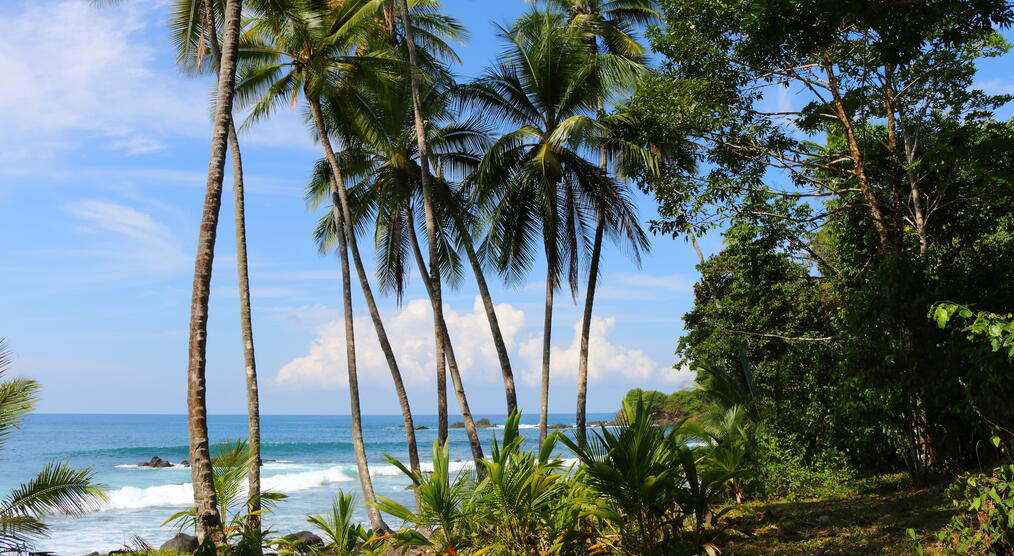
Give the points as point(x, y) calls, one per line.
point(785, 470)
point(986, 524)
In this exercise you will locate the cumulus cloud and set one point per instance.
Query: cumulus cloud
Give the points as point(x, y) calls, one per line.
point(411, 333)
point(605, 358)
point(682, 377)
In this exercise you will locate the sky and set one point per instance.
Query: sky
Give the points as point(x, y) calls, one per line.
point(103, 160)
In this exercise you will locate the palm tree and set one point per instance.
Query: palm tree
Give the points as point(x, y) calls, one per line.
point(194, 26)
point(328, 238)
point(57, 489)
point(535, 177)
point(382, 163)
point(608, 27)
point(431, 276)
point(295, 51)
point(208, 518)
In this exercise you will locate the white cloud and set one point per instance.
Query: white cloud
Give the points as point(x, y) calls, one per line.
point(643, 287)
point(119, 219)
point(127, 236)
point(411, 334)
point(74, 73)
point(683, 377)
point(605, 358)
point(995, 87)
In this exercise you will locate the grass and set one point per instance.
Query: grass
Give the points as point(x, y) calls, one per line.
point(874, 520)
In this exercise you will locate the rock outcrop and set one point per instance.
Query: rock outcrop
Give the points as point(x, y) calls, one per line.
point(181, 543)
point(306, 538)
point(155, 461)
point(480, 424)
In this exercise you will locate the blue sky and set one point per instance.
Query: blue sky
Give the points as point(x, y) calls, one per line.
point(103, 154)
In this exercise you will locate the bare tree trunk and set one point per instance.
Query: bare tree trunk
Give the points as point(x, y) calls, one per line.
point(435, 294)
point(340, 197)
point(385, 343)
point(246, 326)
point(547, 330)
point(494, 323)
point(209, 520)
point(582, 368)
point(452, 363)
point(859, 166)
point(246, 323)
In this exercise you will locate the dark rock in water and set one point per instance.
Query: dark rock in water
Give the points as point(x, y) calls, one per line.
point(185, 463)
point(480, 424)
point(557, 427)
point(422, 428)
point(155, 461)
point(599, 424)
point(303, 537)
point(181, 543)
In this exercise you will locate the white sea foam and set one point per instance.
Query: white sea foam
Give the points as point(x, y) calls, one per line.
point(181, 494)
point(132, 498)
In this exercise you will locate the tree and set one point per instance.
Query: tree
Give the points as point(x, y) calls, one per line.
point(319, 55)
point(876, 75)
point(57, 489)
point(208, 519)
point(535, 176)
point(609, 28)
point(382, 165)
point(431, 276)
point(194, 28)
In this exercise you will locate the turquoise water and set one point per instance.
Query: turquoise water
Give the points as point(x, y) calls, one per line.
point(312, 456)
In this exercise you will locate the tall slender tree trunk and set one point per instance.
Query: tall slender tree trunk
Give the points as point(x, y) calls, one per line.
point(589, 301)
point(209, 520)
point(494, 323)
point(435, 294)
point(340, 197)
point(859, 166)
point(246, 327)
point(547, 331)
point(452, 363)
point(593, 275)
point(378, 325)
point(246, 323)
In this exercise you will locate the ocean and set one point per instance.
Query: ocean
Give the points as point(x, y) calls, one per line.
point(312, 460)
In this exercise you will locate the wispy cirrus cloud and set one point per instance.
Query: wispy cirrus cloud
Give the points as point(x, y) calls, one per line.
point(75, 73)
point(126, 236)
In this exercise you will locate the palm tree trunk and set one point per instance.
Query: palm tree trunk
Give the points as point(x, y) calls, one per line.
point(544, 400)
point(435, 294)
point(339, 197)
point(582, 367)
point(547, 330)
point(452, 363)
point(246, 326)
point(209, 520)
point(494, 323)
point(382, 338)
